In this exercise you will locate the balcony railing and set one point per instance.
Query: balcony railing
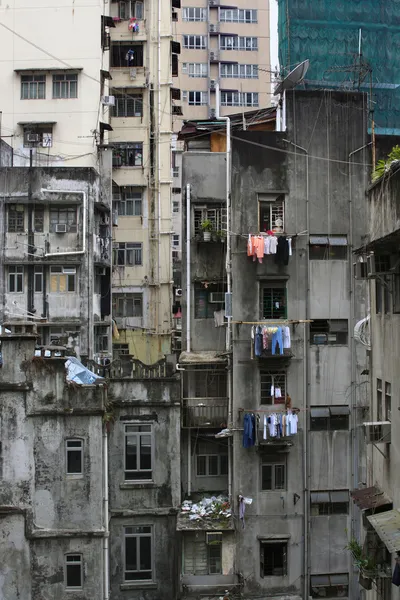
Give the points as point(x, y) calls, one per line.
point(204, 412)
point(126, 367)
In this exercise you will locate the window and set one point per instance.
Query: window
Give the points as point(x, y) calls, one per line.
point(208, 300)
point(130, 9)
point(195, 69)
point(383, 287)
point(237, 15)
point(273, 558)
point(273, 300)
point(211, 459)
point(379, 400)
point(329, 418)
point(128, 305)
point(329, 503)
point(33, 87)
point(230, 70)
point(239, 99)
point(329, 586)
point(206, 382)
point(65, 85)
point(333, 247)
point(175, 240)
point(128, 105)
point(273, 472)
point(271, 212)
point(396, 293)
point(16, 218)
point(234, 42)
point(74, 449)
point(138, 452)
point(16, 279)
point(128, 201)
point(38, 219)
point(62, 279)
point(329, 332)
point(73, 571)
point(38, 135)
point(38, 279)
point(195, 42)
point(217, 216)
point(175, 206)
point(200, 557)
point(101, 339)
point(138, 553)
point(125, 54)
point(63, 216)
point(121, 350)
point(128, 254)
point(128, 155)
point(270, 383)
point(194, 14)
point(388, 401)
point(198, 98)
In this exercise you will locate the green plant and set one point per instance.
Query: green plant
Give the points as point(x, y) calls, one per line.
point(383, 165)
point(221, 234)
point(207, 225)
point(361, 560)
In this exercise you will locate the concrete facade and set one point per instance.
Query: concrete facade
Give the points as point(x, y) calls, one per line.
point(312, 166)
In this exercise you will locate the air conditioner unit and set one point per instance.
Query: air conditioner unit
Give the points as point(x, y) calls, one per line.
point(108, 100)
point(213, 2)
point(213, 28)
point(213, 113)
point(61, 228)
point(378, 432)
point(371, 272)
point(217, 298)
point(132, 73)
point(213, 83)
point(33, 138)
point(360, 269)
point(178, 292)
point(214, 537)
point(213, 55)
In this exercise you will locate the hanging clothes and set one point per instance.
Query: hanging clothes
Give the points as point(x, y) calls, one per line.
point(282, 251)
point(277, 339)
point(249, 430)
point(286, 336)
point(258, 341)
point(242, 510)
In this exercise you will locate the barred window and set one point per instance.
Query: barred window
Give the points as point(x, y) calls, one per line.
point(16, 218)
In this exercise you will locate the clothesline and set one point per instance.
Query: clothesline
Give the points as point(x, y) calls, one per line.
point(293, 235)
point(268, 323)
point(274, 408)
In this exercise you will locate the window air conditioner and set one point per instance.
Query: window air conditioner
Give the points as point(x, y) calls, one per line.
point(213, 83)
point(33, 138)
point(178, 292)
point(378, 432)
point(360, 269)
point(61, 228)
point(217, 298)
point(371, 272)
point(108, 100)
point(214, 537)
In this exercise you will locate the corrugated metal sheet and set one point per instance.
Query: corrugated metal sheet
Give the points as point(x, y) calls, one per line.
point(387, 526)
point(371, 497)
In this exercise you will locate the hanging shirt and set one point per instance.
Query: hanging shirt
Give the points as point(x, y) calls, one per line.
point(286, 337)
point(273, 244)
point(259, 244)
point(265, 338)
point(289, 241)
point(267, 245)
point(293, 420)
point(265, 428)
point(278, 393)
point(249, 430)
point(272, 425)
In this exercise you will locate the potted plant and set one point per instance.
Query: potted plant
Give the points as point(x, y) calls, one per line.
point(221, 235)
point(207, 228)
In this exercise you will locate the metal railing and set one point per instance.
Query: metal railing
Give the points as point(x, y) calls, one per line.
point(204, 412)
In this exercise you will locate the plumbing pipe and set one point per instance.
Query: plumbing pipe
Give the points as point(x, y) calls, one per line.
point(159, 157)
point(188, 273)
point(84, 218)
point(106, 573)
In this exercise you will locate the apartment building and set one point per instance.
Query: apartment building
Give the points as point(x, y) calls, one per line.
point(141, 55)
point(290, 492)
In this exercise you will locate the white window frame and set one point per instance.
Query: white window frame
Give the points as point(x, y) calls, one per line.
point(238, 15)
point(175, 206)
point(129, 9)
point(217, 216)
point(194, 14)
point(128, 202)
point(58, 272)
point(136, 534)
point(274, 463)
point(33, 87)
point(197, 98)
point(147, 473)
point(238, 71)
point(74, 445)
point(128, 105)
point(277, 379)
point(195, 42)
point(196, 70)
point(175, 240)
point(16, 274)
point(249, 43)
point(73, 563)
point(239, 98)
point(65, 86)
point(276, 209)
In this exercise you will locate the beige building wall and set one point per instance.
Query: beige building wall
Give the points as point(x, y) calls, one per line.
point(219, 62)
point(146, 334)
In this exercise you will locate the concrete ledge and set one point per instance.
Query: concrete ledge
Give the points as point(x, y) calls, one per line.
point(138, 585)
point(137, 485)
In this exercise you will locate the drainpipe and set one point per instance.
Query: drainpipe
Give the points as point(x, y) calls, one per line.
point(84, 225)
point(188, 273)
point(305, 393)
point(228, 267)
point(159, 158)
point(106, 573)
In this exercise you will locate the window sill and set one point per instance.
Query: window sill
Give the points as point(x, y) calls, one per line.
point(148, 585)
point(137, 485)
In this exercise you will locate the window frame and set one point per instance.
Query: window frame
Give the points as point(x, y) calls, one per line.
point(247, 43)
point(197, 98)
point(123, 299)
point(16, 218)
point(138, 536)
point(38, 279)
point(216, 214)
point(78, 449)
point(67, 86)
point(206, 452)
point(275, 463)
point(328, 247)
point(330, 421)
point(131, 6)
point(273, 210)
point(198, 42)
point(71, 564)
point(322, 327)
point(278, 379)
point(327, 506)
point(71, 218)
point(278, 293)
point(128, 254)
point(198, 17)
point(238, 15)
point(328, 577)
point(196, 70)
point(272, 544)
point(238, 71)
point(127, 105)
point(17, 273)
point(138, 435)
point(121, 151)
point(70, 274)
point(202, 296)
point(34, 85)
point(129, 203)
point(38, 219)
point(388, 401)
point(200, 550)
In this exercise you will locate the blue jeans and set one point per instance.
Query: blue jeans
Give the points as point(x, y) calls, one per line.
point(277, 339)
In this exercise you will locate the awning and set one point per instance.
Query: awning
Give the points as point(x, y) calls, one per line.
point(371, 497)
point(325, 240)
point(334, 496)
point(208, 356)
point(322, 412)
point(387, 526)
point(105, 127)
point(25, 123)
point(49, 70)
point(105, 74)
point(107, 21)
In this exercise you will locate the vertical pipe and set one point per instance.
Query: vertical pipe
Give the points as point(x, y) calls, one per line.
point(188, 274)
point(106, 574)
point(159, 159)
point(189, 459)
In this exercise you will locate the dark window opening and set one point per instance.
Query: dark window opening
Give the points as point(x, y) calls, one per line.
point(138, 452)
point(73, 571)
point(273, 559)
point(329, 586)
point(128, 155)
point(208, 300)
point(323, 247)
point(127, 104)
point(273, 301)
point(138, 553)
point(16, 218)
point(273, 472)
point(124, 54)
point(329, 332)
point(325, 503)
point(329, 418)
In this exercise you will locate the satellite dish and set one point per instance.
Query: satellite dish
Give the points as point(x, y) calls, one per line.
point(294, 77)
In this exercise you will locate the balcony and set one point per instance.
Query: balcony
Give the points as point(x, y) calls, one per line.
point(204, 412)
point(126, 367)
